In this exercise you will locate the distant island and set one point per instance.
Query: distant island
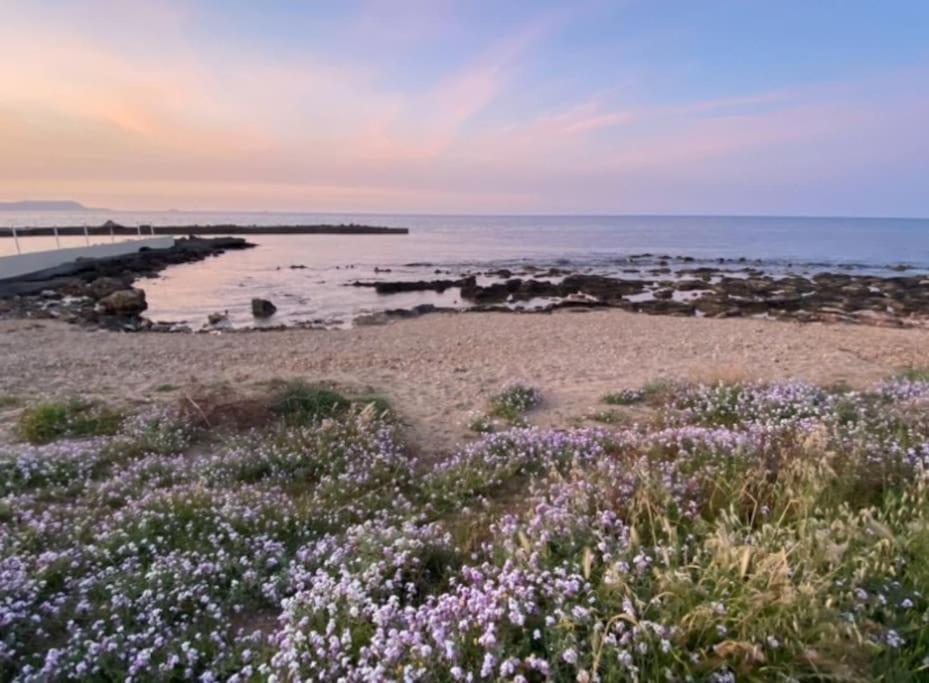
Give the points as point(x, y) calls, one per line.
point(45, 205)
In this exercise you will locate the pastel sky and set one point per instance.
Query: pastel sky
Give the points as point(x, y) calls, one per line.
point(807, 107)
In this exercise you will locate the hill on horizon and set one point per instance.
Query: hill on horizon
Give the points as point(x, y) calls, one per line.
point(45, 205)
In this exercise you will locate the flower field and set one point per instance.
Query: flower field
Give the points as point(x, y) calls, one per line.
point(737, 532)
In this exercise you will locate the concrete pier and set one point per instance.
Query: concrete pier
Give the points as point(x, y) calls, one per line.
point(31, 262)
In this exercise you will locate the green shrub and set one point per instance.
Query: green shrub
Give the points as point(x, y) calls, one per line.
point(626, 397)
point(47, 422)
point(299, 402)
point(513, 401)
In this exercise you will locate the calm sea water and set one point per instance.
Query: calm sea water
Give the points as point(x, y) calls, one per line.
point(318, 291)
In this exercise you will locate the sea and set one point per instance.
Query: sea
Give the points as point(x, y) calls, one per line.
point(310, 278)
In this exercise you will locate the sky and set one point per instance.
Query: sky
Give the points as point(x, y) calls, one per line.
point(812, 107)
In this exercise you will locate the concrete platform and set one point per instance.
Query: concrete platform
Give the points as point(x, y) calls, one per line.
point(23, 264)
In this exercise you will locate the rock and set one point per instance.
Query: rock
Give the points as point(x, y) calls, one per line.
point(689, 285)
point(50, 294)
point(104, 286)
point(418, 286)
point(262, 308)
point(666, 307)
point(124, 302)
point(604, 288)
point(422, 309)
point(395, 286)
point(371, 319)
point(703, 273)
point(714, 306)
point(579, 302)
point(469, 287)
point(217, 318)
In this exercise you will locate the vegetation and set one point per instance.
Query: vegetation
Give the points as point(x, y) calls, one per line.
point(506, 408)
point(46, 422)
point(750, 532)
point(610, 417)
point(514, 401)
point(626, 397)
point(300, 402)
point(915, 374)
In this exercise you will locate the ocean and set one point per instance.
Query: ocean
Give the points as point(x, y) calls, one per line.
point(309, 277)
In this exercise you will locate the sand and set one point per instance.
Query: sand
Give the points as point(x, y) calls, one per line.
point(438, 369)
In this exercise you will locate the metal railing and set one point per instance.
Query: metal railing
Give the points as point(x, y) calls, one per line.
point(19, 234)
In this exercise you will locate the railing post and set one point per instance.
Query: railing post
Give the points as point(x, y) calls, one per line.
point(57, 238)
point(139, 230)
point(16, 240)
point(112, 235)
point(86, 235)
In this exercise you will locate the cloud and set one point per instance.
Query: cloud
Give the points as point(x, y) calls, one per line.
point(187, 123)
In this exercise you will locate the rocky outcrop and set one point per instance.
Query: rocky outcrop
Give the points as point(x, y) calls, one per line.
point(706, 291)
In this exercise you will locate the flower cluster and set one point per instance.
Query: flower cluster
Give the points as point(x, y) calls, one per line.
point(766, 531)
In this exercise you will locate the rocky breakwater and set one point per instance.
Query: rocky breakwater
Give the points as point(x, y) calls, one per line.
point(899, 301)
point(100, 291)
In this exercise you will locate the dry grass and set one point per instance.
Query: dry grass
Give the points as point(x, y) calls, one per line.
point(720, 373)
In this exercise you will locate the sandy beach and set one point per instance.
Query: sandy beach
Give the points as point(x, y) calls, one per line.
point(438, 369)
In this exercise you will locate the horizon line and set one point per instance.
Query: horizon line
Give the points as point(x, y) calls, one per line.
point(508, 214)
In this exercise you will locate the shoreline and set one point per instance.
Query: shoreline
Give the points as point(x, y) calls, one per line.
point(437, 369)
point(655, 285)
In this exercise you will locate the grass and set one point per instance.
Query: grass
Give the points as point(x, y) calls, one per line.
point(297, 402)
point(46, 422)
point(610, 417)
point(626, 397)
point(914, 374)
point(380, 404)
point(9, 402)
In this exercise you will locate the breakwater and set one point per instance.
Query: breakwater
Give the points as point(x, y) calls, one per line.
point(191, 230)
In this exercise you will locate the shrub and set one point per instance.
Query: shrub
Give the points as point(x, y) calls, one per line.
point(513, 401)
point(47, 422)
point(626, 397)
point(299, 402)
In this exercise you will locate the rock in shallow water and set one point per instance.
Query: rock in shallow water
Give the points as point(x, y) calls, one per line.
point(262, 308)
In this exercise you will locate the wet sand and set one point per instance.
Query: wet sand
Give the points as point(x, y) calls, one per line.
point(438, 369)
